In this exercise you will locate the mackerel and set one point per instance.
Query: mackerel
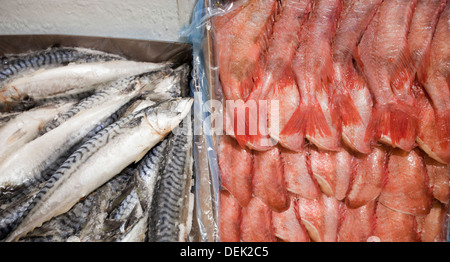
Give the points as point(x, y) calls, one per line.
point(26, 126)
point(171, 208)
point(125, 141)
point(13, 65)
point(85, 217)
point(148, 81)
point(45, 149)
point(72, 79)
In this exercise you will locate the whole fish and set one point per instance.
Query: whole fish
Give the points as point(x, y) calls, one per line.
point(26, 126)
point(15, 201)
point(315, 116)
point(44, 150)
point(170, 217)
point(14, 65)
point(72, 79)
point(150, 82)
point(351, 95)
point(239, 54)
point(274, 76)
point(86, 217)
point(126, 141)
point(434, 77)
point(386, 61)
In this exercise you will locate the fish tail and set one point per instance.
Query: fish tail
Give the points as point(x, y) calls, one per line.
point(394, 124)
point(310, 120)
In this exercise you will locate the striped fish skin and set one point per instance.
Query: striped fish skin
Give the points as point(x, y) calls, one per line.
point(106, 198)
point(126, 141)
point(146, 81)
point(72, 79)
point(26, 126)
point(86, 217)
point(14, 65)
point(47, 148)
point(5, 117)
point(170, 213)
point(147, 172)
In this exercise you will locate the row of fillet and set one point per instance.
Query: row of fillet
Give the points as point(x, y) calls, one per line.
point(361, 145)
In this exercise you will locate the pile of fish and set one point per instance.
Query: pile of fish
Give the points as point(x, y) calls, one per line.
point(94, 147)
point(351, 103)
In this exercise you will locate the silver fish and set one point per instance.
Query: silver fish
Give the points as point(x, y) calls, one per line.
point(126, 141)
point(72, 79)
point(170, 217)
point(148, 82)
point(45, 149)
point(6, 117)
point(86, 218)
point(26, 126)
point(13, 65)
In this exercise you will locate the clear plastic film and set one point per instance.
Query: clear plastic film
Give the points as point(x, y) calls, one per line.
point(207, 90)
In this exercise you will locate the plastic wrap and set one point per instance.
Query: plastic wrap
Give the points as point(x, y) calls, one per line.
point(209, 98)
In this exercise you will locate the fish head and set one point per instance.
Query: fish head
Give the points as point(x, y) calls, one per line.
point(163, 117)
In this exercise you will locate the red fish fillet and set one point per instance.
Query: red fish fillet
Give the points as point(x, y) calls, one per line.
point(344, 170)
point(368, 178)
point(240, 40)
point(235, 165)
point(323, 167)
point(435, 78)
point(287, 225)
point(256, 222)
point(320, 217)
point(427, 135)
point(311, 214)
point(298, 175)
point(315, 117)
point(274, 78)
point(268, 179)
point(351, 94)
point(432, 227)
point(393, 226)
point(439, 177)
point(406, 189)
point(386, 62)
point(230, 213)
point(357, 224)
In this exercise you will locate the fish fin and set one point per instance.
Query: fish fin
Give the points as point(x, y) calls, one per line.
point(310, 120)
point(394, 124)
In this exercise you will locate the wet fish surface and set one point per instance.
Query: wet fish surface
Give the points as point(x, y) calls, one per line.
point(85, 169)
